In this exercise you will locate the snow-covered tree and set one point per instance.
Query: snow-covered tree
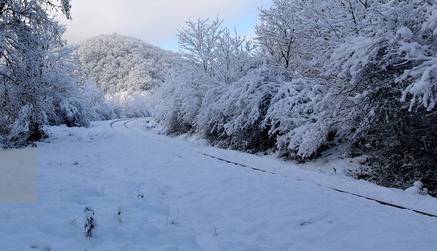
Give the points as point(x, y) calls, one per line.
point(300, 34)
point(198, 41)
point(63, 100)
point(222, 54)
point(214, 57)
point(28, 34)
point(279, 29)
point(232, 57)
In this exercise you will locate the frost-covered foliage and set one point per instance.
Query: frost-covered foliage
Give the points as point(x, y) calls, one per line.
point(300, 34)
point(130, 105)
point(379, 92)
point(222, 54)
point(40, 82)
point(294, 117)
point(59, 96)
point(63, 102)
point(97, 106)
point(179, 100)
point(36, 86)
point(401, 38)
point(214, 58)
point(388, 73)
point(350, 73)
point(233, 115)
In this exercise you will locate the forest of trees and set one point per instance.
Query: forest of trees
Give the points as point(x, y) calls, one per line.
point(359, 75)
point(123, 64)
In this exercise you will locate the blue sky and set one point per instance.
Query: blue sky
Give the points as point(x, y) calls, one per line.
point(156, 21)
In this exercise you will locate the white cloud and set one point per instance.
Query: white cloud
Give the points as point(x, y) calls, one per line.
point(155, 21)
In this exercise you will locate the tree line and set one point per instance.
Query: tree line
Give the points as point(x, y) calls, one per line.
point(356, 75)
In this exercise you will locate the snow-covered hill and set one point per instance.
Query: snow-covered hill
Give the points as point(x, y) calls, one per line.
point(126, 69)
point(124, 64)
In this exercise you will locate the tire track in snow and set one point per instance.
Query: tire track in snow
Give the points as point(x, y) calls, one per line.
point(124, 121)
point(112, 124)
point(127, 122)
point(384, 203)
point(254, 169)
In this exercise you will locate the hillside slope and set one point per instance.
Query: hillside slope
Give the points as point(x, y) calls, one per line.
point(124, 64)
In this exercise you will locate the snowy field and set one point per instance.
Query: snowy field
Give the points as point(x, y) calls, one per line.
point(152, 192)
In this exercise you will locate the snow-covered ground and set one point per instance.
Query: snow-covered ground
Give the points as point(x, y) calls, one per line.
point(152, 192)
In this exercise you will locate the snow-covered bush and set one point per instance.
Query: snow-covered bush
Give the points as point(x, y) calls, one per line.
point(72, 113)
point(294, 118)
point(129, 104)
point(401, 40)
point(232, 116)
point(63, 101)
point(178, 101)
point(59, 97)
point(23, 130)
point(376, 74)
point(417, 33)
point(98, 108)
